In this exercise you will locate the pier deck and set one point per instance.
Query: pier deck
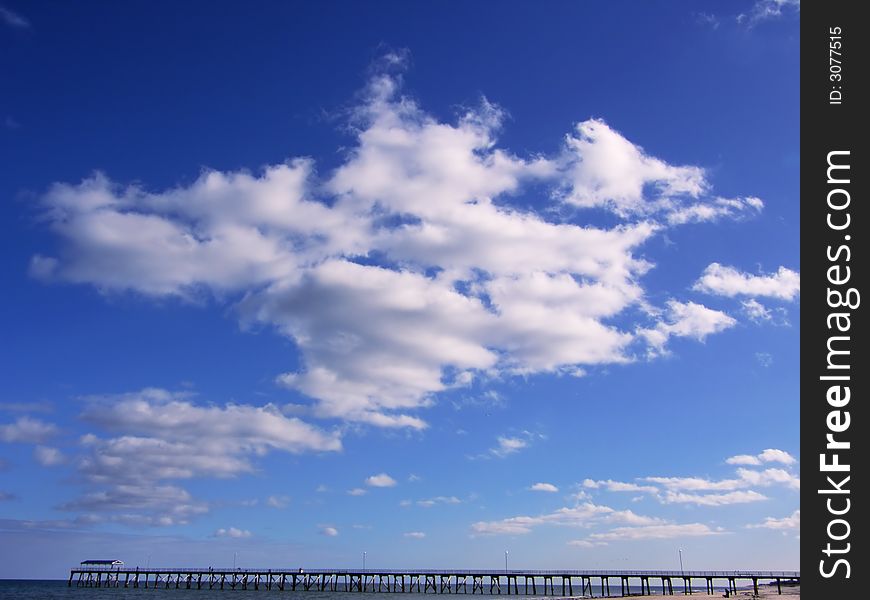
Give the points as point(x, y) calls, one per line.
point(608, 583)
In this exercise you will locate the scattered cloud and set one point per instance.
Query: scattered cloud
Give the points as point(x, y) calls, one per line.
point(357, 492)
point(584, 514)
point(765, 359)
point(544, 487)
point(329, 531)
point(48, 456)
point(767, 456)
point(685, 319)
point(618, 486)
point(792, 521)
point(27, 430)
point(162, 436)
point(710, 20)
point(381, 480)
point(232, 532)
point(430, 502)
point(737, 497)
point(765, 10)
point(416, 535)
point(656, 532)
point(721, 280)
point(278, 501)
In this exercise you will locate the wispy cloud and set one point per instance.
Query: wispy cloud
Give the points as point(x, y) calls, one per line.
point(13, 19)
point(232, 532)
point(765, 10)
point(792, 521)
point(415, 535)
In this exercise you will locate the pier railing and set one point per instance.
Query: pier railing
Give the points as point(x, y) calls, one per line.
point(500, 582)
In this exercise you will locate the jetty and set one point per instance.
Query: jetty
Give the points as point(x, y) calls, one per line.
point(586, 583)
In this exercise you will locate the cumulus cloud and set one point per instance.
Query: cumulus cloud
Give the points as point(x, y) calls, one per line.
point(329, 531)
point(416, 535)
point(232, 532)
point(608, 170)
point(27, 430)
point(380, 480)
point(357, 492)
point(792, 521)
point(721, 280)
point(544, 487)
point(413, 231)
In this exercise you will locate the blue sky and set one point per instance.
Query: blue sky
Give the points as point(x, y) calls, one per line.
point(428, 281)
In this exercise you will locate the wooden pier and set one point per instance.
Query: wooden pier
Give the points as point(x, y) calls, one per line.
point(605, 583)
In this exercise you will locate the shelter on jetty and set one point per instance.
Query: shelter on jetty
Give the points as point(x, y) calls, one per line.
point(493, 582)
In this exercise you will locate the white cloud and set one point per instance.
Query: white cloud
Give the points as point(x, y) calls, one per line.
point(716, 209)
point(721, 280)
point(585, 543)
point(278, 501)
point(429, 502)
point(767, 456)
point(685, 319)
point(485, 287)
point(792, 521)
point(357, 492)
point(27, 430)
point(162, 435)
point(764, 10)
point(48, 456)
point(775, 455)
point(619, 486)
point(380, 480)
point(508, 445)
point(544, 487)
point(770, 477)
point(586, 514)
point(736, 497)
point(696, 483)
point(646, 532)
point(416, 535)
point(232, 532)
point(608, 170)
point(329, 531)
